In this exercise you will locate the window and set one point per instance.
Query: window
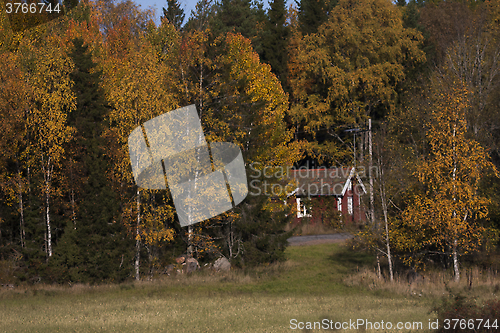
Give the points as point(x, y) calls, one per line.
point(349, 205)
point(339, 205)
point(301, 209)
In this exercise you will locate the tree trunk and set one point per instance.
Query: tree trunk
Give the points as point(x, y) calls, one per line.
point(388, 245)
point(456, 267)
point(21, 210)
point(137, 237)
point(47, 176)
point(190, 241)
point(73, 213)
point(47, 216)
point(379, 271)
point(370, 175)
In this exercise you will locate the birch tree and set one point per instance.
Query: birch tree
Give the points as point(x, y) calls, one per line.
point(446, 216)
point(134, 80)
point(52, 101)
point(14, 97)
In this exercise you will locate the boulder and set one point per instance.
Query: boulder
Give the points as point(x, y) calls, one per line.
point(180, 260)
point(191, 265)
point(222, 265)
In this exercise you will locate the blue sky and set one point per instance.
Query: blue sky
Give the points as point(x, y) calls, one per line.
point(187, 5)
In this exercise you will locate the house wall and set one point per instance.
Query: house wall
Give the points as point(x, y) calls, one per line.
point(321, 208)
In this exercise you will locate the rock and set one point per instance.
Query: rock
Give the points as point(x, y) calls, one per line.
point(181, 259)
point(222, 265)
point(191, 265)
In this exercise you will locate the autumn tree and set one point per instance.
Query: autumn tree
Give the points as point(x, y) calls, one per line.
point(238, 100)
point(14, 97)
point(112, 13)
point(445, 216)
point(53, 100)
point(350, 69)
point(134, 84)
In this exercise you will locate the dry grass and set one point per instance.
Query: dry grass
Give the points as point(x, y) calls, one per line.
point(310, 286)
point(475, 283)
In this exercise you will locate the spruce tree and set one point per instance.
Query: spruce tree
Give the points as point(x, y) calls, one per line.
point(174, 13)
point(262, 232)
point(274, 39)
point(92, 248)
point(240, 16)
point(312, 13)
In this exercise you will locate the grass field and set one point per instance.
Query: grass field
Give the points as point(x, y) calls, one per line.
point(317, 282)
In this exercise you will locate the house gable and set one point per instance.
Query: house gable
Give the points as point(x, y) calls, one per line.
point(342, 183)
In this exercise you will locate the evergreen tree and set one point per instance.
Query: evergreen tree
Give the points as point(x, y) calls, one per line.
point(312, 13)
point(239, 16)
point(274, 39)
point(262, 231)
point(92, 248)
point(174, 13)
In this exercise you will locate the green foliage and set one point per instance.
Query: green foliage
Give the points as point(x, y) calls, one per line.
point(274, 39)
point(263, 234)
point(239, 16)
point(92, 245)
point(313, 13)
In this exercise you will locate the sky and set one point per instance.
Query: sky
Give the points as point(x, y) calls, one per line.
point(187, 5)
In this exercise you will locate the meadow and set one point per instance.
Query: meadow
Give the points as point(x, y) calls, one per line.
point(326, 281)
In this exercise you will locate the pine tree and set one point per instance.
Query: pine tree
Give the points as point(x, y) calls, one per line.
point(174, 13)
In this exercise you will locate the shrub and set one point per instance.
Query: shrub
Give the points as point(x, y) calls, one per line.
point(467, 312)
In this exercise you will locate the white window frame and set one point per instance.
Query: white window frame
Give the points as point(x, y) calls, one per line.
point(349, 206)
point(302, 209)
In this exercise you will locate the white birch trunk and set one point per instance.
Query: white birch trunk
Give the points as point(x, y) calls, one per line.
point(387, 242)
point(47, 178)
point(370, 152)
point(456, 268)
point(137, 237)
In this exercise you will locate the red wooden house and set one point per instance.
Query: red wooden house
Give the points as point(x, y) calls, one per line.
point(343, 184)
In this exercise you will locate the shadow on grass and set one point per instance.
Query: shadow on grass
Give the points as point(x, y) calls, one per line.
point(348, 261)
